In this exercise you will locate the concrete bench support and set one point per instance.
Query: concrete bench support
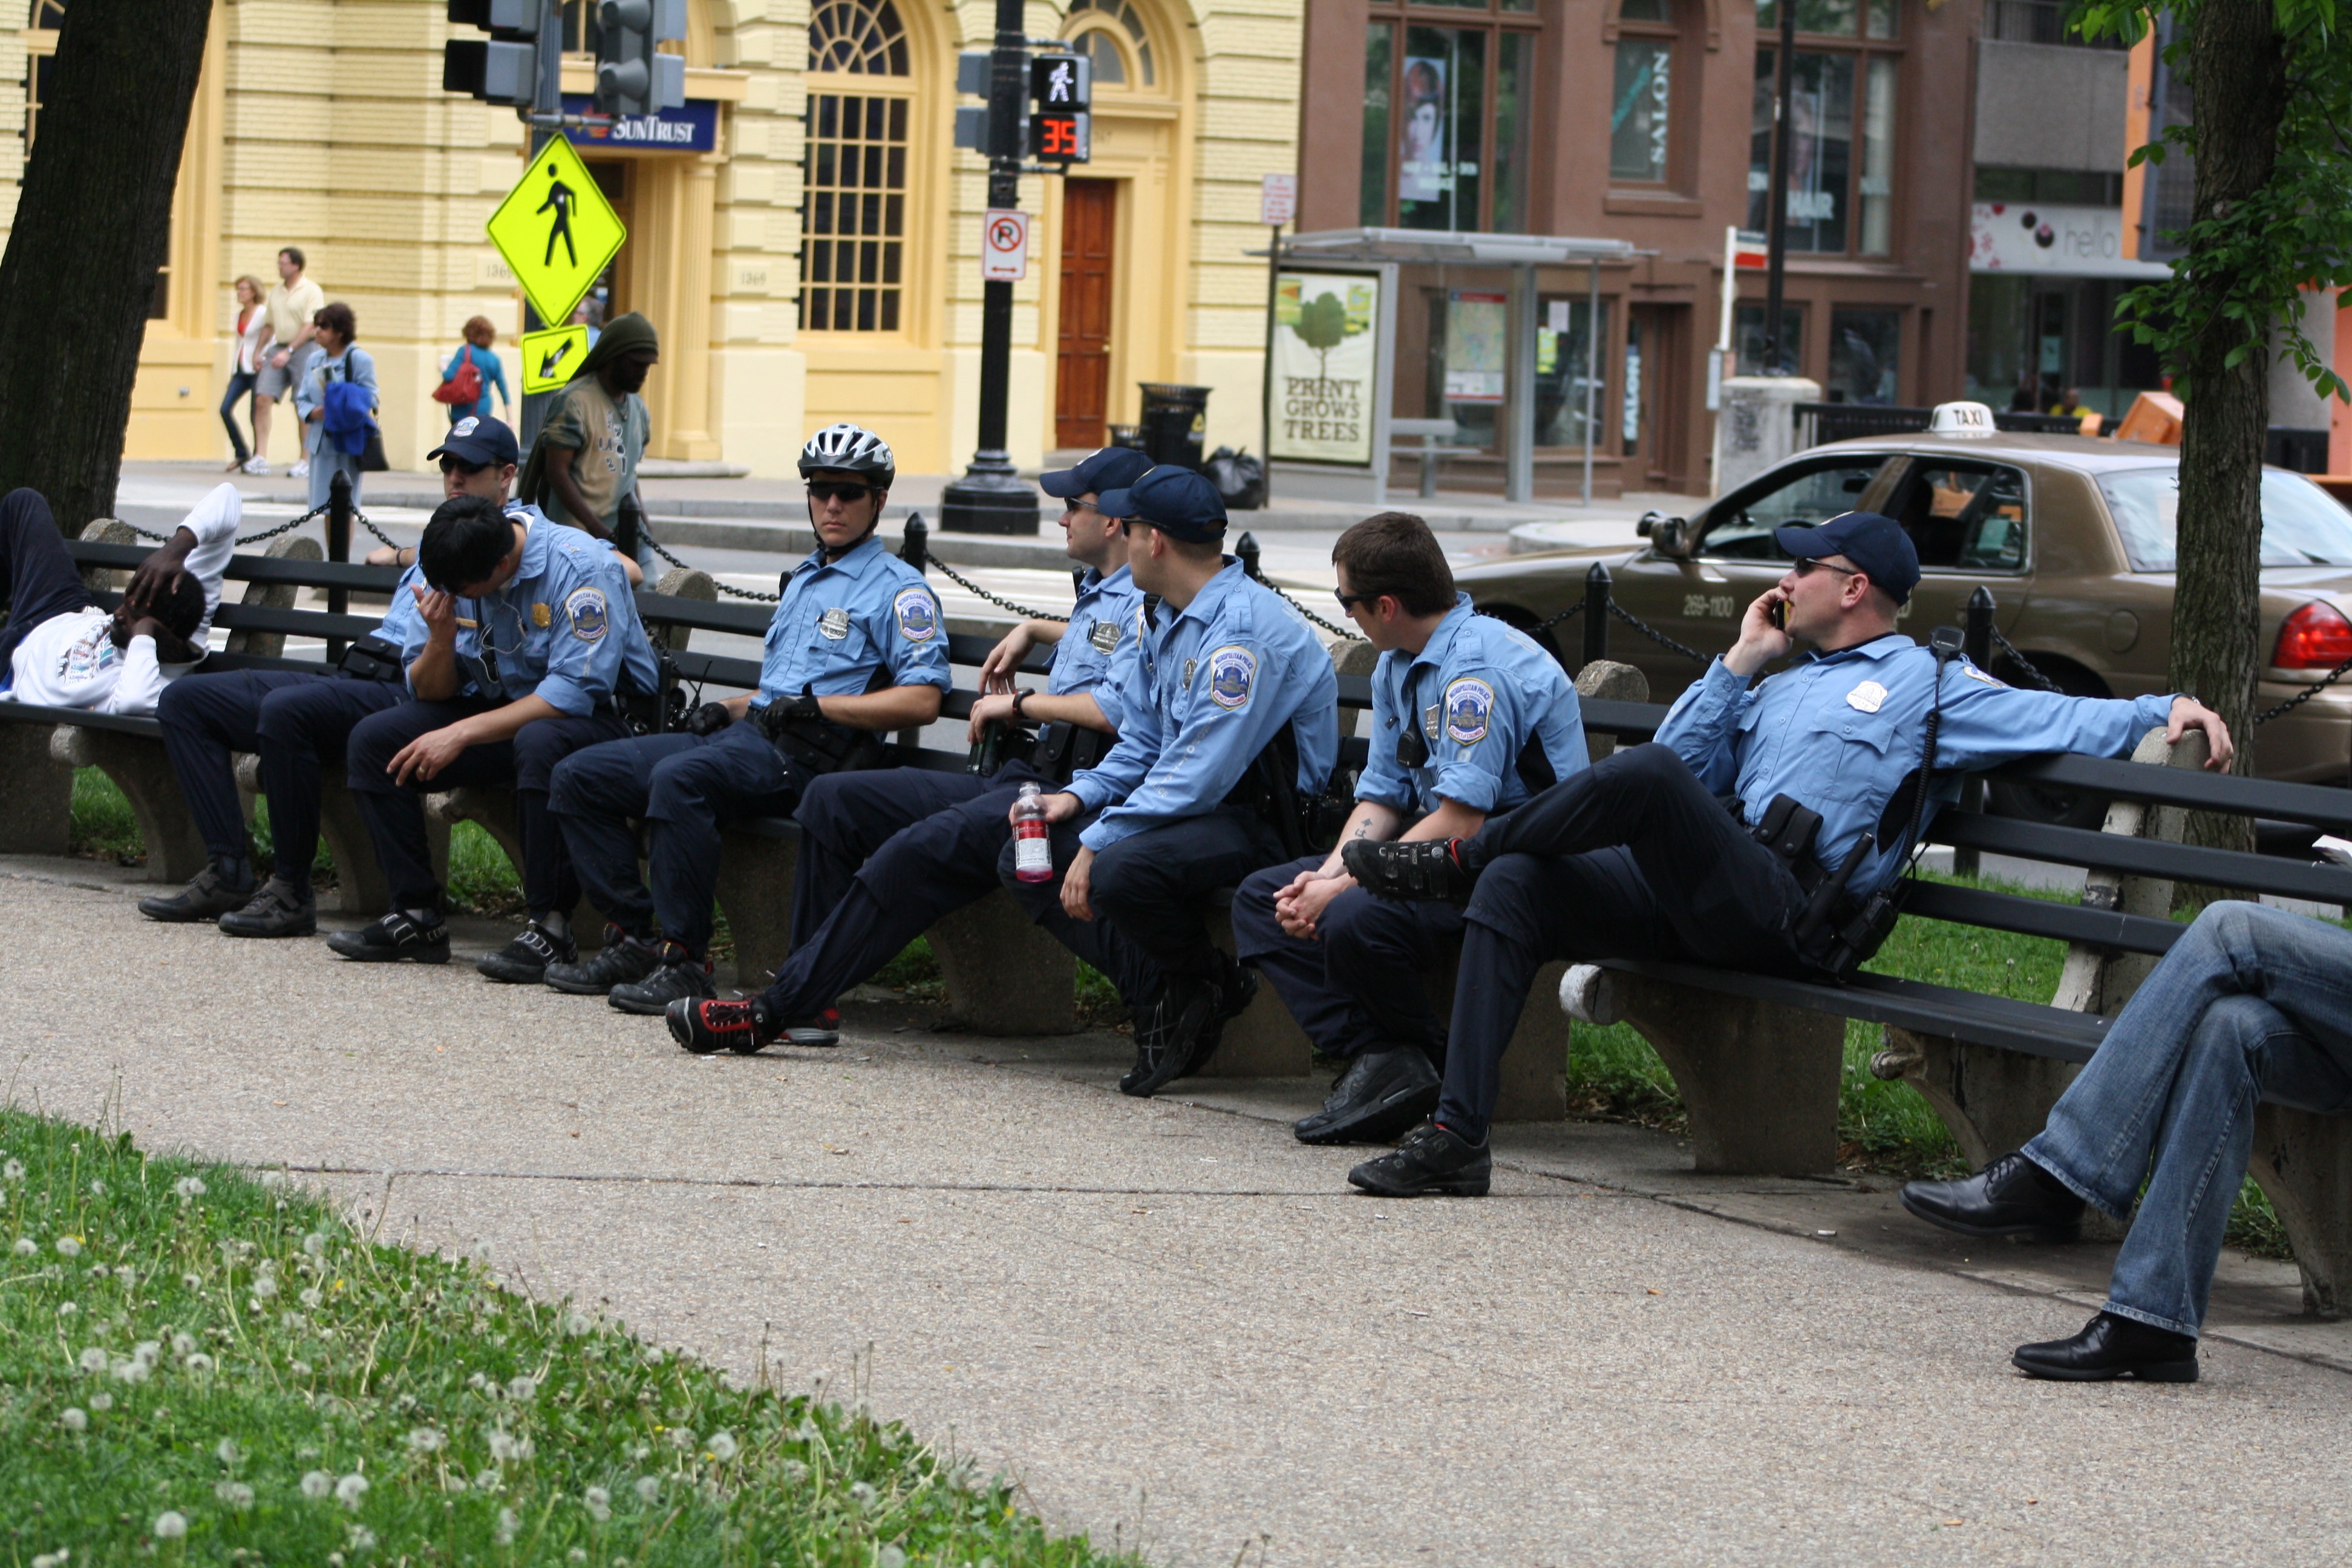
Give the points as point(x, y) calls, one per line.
point(38, 785)
point(755, 892)
point(143, 773)
point(2304, 1165)
point(1005, 976)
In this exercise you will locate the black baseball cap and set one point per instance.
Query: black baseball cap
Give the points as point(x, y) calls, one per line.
point(479, 441)
point(1874, 542)
point(1177, 501)
point(1112, 469)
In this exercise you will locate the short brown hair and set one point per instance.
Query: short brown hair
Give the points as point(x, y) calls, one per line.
point(480, 330)
point(1394, 554)
point(336, 317)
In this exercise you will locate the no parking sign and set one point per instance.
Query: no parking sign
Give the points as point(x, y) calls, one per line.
point(1004, 246)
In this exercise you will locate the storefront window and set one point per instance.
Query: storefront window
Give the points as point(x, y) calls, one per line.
point(853, 197)
point(1563, 344)
point(1865, 347)
point(1839, 202)
point(1446, 117)
point(1747, 337)
point(1638, 111)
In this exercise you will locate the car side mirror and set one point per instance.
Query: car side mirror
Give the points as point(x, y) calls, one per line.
point(1667, 534)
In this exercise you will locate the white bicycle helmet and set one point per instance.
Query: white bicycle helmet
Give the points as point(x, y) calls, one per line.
point(853, 448)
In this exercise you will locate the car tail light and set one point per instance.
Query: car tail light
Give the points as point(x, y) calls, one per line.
point(2315, 637)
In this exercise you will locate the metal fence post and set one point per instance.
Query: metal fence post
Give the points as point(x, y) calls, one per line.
point(1246, 550)
point(1976, 643)
point(914, 543)
point(1596, 612)
point(338, 548)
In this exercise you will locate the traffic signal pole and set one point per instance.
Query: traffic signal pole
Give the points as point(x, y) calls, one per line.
point(991, 497)
point(547, 110)
point(1777, 359)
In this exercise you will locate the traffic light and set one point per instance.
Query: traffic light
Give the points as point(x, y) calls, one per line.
point(502, 67)
point(632, 76)
point(1061, 131)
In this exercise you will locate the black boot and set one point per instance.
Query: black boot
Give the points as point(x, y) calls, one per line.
point(1434, 1160)
point(2012, 1196)
point(1382, 1095)
point(2111, 1347)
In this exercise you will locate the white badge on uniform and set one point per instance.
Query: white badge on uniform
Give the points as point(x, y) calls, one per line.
point(834, 623)
point(1867, 697)
point(1105, 635)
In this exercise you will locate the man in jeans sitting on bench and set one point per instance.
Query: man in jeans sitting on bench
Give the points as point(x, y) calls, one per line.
point(1635, 858)
point(2252, 1004)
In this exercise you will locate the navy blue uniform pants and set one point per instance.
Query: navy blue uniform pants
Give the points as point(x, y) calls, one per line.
point(38, 580)
point(1357, 984)
point(1151, 893)
point(686, 788)
point(526, 764)
point(297, 723)
point(1631, 859)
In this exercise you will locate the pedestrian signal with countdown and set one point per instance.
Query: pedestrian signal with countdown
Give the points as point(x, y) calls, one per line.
point(1061, 129)
point(1033, 848)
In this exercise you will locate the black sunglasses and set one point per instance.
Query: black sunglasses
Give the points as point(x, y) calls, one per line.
point(459, 466)
point(1349, 601)
point(838, 490)
point(1805, 565)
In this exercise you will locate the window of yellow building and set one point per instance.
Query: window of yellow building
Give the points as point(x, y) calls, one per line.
point(1115, 38)
point(853, 199)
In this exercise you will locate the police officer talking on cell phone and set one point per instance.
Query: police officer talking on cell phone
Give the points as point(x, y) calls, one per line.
point(1636, 857)
point(1467, 716)
point(1228, 727)
point(857, 648)
point(885, 855)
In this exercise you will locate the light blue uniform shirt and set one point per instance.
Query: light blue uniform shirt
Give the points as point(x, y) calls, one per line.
point(840, 621)
point(1841, 731)
point(403, 627)
point(1208, 688)
point(1478, 693)
point(1102, 627)
point(565, 628)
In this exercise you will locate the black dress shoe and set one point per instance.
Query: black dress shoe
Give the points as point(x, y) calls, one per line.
point(2111, 1347)
point(2012, 1196)
point(276, 910)
point(207, 897)
point(1434, 1160)
point(1428, 870)
point(1381, 1096)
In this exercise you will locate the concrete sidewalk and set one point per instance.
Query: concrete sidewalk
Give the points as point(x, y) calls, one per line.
point(1176, 1324)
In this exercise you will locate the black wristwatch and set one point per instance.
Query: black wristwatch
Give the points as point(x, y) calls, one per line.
point(1020, 695)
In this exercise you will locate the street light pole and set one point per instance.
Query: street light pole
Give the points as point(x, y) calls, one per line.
point(1777, 219)
point(992, 498)
point(547, 105)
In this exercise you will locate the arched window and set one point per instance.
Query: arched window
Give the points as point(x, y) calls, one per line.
point(1116, 39)
point(1641, 103)
point(853, 190)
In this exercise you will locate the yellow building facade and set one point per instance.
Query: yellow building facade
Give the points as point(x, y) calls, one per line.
point(818, 261)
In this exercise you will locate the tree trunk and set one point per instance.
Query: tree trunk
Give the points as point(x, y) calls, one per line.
point(93, 221)
point(2237, 71)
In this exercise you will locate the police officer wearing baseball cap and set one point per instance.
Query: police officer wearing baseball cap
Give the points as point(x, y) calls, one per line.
point(885, 855)
point(1230, 720)
point(1635, 858)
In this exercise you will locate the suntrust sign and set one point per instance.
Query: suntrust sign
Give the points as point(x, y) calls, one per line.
point(2035, 240)
point(691, 127)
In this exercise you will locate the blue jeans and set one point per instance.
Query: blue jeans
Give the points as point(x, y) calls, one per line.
point(240, 384)
point(2252, 1004)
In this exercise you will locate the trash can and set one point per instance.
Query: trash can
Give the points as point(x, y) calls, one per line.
point(1129, 437)
point(1175, 418)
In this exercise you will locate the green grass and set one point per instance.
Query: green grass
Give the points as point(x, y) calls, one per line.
point(200, 1366)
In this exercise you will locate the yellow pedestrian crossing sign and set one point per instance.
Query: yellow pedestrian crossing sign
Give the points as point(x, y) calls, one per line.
point(551, 358)
point(556, 230)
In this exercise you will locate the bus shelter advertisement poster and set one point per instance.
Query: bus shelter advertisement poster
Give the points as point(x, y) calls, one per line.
point(1324, 361)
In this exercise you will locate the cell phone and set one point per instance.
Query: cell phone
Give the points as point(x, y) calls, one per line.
point(1779, 615)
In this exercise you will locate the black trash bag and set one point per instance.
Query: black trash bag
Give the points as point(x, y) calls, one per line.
point(1239, 478)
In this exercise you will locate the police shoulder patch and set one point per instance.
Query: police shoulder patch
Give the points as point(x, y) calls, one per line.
point(586, 609)
point(1973, 673)
point(918, 613)
point(1469, 704)
point(1232, 671)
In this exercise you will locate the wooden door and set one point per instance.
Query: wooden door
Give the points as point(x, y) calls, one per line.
point(1656, 432)
point(1082, 380)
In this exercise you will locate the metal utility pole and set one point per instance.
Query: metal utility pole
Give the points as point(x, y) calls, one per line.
point(1777, 219)
point(992, 498)
point(547, 113)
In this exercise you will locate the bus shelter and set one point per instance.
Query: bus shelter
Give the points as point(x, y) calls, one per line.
point(1331, 337)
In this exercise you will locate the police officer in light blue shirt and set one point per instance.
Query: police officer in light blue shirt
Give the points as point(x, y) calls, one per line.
point(1635, 858)
point(555, 644)
point(857, 648)
point(883, 855)
point(1228, 724)
point(1465, 712)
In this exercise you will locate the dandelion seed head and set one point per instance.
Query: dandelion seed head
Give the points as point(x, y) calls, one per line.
point(508, 1524)
point(577, 1555)
point(298, 1368)
point(199, 1362)
point(67, 1309)
point(265, 1285)
point(13, 1171)
point(350, 1490)
point(360, 1538)
point(891, 1557)
point(183, 1342)
point(68, 1247)
point(315, 1244)
point(722, 1445)
point(73, 1420)
point(171, 1524)
point(98, 1189)
point(522, 1389)
point(93, 1359)
point(862, 1494)
point(192, 1281)
point(681, 1437)
point(25, 1246)
point(235, 1494)
point(317, 1484)
point(133, 1372)
point(795, 1472)
point(101, 1402)
point(648, 1488)
point(577, 1324)
point(312, 1297)
point(148, 1350)
point(426, 1440)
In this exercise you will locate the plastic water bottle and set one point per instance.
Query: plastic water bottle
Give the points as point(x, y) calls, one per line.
point(1033, 848)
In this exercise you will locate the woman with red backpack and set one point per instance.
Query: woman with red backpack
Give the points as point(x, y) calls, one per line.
point(472, 371)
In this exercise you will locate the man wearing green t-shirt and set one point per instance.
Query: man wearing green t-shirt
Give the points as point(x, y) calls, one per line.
point(586, 459)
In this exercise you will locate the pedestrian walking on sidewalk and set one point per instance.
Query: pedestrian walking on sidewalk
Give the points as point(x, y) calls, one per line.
point(336, 424)
point(291, 307)
point(252, 334)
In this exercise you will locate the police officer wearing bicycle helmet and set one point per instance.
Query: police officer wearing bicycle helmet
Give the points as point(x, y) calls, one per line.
point(857, 648)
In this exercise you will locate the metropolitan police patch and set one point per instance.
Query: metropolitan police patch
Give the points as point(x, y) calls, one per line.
point(584, 608)
point(1468, 703)
point(919, 615)
point(1231, 671)
point(1103, 636)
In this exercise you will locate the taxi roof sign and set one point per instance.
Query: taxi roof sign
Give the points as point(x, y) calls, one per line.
point(1961, 419)
point(556, 231)
point(551, 358)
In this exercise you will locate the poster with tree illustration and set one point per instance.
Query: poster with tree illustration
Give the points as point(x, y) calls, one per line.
point(1324, 364)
